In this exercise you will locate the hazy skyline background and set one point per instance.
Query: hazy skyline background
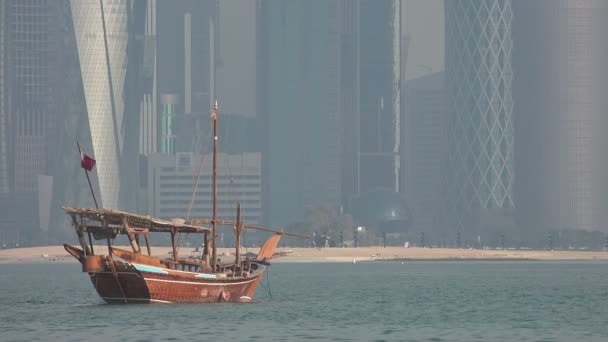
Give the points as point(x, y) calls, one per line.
point(423, 24)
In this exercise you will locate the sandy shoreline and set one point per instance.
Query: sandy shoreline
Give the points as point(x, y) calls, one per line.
point(311, 255)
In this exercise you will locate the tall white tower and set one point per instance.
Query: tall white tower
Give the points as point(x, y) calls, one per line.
point(101, 36)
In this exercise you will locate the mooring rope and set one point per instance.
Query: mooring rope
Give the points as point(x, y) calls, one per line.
point(268, 283)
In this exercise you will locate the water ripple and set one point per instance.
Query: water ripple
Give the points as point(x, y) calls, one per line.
point(518, 301)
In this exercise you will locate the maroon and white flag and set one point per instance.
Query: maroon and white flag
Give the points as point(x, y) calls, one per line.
point(86, 162)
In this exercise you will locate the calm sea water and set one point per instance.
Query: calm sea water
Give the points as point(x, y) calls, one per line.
point(415, 301)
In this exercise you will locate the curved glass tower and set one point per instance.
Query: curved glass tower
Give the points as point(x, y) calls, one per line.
point(479, 159)
point(102, 62)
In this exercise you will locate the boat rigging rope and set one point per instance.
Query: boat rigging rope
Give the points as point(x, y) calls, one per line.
point(196, 182)
point(230, 178)
point(231, 185)
point(267, 285)
point(198, 172)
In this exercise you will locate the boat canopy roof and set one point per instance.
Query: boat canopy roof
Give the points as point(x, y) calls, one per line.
point(116, 219)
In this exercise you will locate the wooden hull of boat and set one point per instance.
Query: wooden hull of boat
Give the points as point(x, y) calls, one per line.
point(125, 283)
point(142, 287)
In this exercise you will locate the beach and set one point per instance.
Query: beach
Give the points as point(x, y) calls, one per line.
point(337, 254)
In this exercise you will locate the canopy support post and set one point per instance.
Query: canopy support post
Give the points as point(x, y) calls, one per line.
point(83, 243)
point(131, 236)
point(173, 231)
point(206, 249)
point(148, 244)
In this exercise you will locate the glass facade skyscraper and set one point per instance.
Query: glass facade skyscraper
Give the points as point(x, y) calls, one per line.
point(30, 113)
point(479, 176)
point(371, 64)
point(379, 83)
point(560, 105)
point(4, 108)
point(297, 85)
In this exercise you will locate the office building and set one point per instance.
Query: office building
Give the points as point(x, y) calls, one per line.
point(186, 61)
point(101, 35)
point(297, 100)
point(424, 138)
point(172, 179)
point(29, 114)
point(379, 78)
point(559, 94)
point(371, 64)
point(479, 161)
point(4, 105)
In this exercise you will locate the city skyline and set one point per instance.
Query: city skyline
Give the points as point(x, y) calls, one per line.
point(339, 99)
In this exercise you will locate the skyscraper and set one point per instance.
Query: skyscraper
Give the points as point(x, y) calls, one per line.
point(297, 85)
point(370, 95)
point(102, 37)
point(186, 53)
point(479, 166)
point(4, 106)
point(29, 113)
point(560, 107)
point(31, 102)
point(379, 94)
point(110, 55)
point(148, 136)
point(168, 104)
point(425, 109)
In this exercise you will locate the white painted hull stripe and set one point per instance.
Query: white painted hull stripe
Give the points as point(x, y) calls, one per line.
point(173, 281)
point(151, 269)
point(205, 276)
point(158, 270)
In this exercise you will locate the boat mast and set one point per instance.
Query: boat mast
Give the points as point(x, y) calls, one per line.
point(238, 229)
point(214, 232)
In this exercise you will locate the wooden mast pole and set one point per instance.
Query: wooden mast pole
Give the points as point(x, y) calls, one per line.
point(214, 118)
point(238, 229)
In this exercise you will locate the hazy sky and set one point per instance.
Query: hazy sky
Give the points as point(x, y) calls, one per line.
point(423, 21)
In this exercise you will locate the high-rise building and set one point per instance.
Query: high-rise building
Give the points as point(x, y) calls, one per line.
point(102, 36)
point(349, 103)
point(425, 109)
point(297, 101)
point(560, 106)
point(148, 134)
point(479, 166)
point(379, 49)
point(30, 108)
point(370, 95)
point(168, 103)
point(186, 54)
point(111, 53)
point(173, 178)
point(32, 78)
point(4, 105)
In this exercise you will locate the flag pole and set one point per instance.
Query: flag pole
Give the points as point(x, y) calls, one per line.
point(86, 173)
